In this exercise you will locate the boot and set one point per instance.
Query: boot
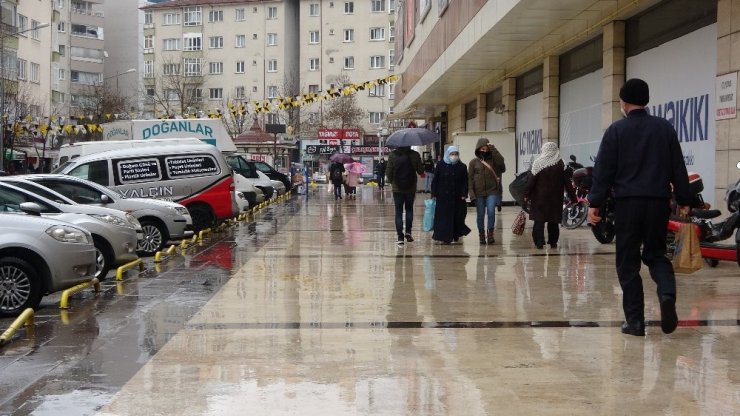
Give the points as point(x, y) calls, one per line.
point(491, 240)
point(482, 237)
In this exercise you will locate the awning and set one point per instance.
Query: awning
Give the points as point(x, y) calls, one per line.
point(14, 155)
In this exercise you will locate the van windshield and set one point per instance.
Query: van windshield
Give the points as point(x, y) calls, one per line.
point(241, 166)
point(61, 167)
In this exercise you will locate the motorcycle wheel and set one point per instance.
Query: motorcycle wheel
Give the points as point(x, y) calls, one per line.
point(574, 216)
point(604, 232)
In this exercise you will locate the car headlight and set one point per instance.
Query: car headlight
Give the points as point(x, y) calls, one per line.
point(111, 219)
point(130, 217)
point(67, 234)
point(181, 210)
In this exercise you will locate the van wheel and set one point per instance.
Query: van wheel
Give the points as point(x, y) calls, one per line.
point(20, 286)
point(155, 238)
point(202, 217)
point(103, 258)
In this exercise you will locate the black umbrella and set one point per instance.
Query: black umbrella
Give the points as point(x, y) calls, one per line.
point(412, 137)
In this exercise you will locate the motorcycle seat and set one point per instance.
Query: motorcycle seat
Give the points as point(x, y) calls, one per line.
point(706, 214)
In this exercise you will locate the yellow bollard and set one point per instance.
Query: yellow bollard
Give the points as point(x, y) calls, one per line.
point(64, 302)
point(25, 318)
point(127, 266)
point(203, 233)
point(167, 254)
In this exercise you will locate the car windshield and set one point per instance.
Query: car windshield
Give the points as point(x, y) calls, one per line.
point(264, 167)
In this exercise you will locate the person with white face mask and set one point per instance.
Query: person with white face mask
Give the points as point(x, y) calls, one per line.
point(449, 189)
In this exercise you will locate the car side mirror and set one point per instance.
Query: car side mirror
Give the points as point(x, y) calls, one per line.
point(31, 208)
point(104, 199)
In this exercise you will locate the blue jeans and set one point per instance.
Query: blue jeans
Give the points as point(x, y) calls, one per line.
point(404, 201)
point(483, 205)
point(428, 182)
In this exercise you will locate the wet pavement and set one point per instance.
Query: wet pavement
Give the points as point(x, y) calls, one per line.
point(312, 309)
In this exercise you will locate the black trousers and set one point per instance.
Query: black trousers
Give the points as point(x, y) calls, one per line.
point(642, 222)
point(538, 233)
point(404, 202)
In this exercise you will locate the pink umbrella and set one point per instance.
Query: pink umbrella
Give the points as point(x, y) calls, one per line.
point(356, 167)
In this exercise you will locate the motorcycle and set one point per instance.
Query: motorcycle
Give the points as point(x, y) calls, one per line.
point(575, 213)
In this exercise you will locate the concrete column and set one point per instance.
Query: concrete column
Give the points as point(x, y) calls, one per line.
point(727, 152)
point(508, 99)
point(482, 112)
point(551, 99)
point(615, 68)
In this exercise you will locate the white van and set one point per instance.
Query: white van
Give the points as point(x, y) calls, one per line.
point(194, 175)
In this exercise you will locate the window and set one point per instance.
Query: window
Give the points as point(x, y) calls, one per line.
point(60, 4)
point(239, 67)
point(254, 89)
point(148, 18)
point(215, 93)
point(241, 41)
point(254, 36)
point(313, 36)
point(216, 16)
point(171, 19)
point(391, 58)
point(194, 94)
point(349, 62)
point(349, 7)
point(62, 75)
point(377, 91)
point(150, 94)
point(392, 5)
point(192, 16)
point(376, 117)
point(240, 16)
point(171, 69)
point(34, 30)
point(272, 12)
point(471, 110)
point(273, 118)
point(313, 9)
point(148, 43)
point(313, 64)
point(192, 67)
point(377, 62)
point(62, 27)
point(86, 54)
point(192, 42)
point(93, 171)
point(93, 32)
point(271, 39)
point(63, 51)
point(87, 78)
point(172, 44)
point(272, 65)
point(377, 6)
point(313, 89)
point(148, 69)
point(171, 95)
point(392, 90)
point(377, 33)
point(216, 42)
point(22, 25)
point(22, 68)
point(272, 91)
point(391, 32)
point(216, 68)
point(240, 93)
point(529, 83)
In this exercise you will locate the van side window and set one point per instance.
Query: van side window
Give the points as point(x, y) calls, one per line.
point(93, 171)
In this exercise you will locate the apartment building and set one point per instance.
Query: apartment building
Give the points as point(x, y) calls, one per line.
point(86, 54)
point(349, 41)
point(202, 55)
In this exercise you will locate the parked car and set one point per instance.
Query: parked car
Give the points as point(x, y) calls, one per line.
point(279, 187)
point(40, 255)
point(115, 234)
point(274, 174)
point(246, 171)
point(160, 220)
point(320, 177)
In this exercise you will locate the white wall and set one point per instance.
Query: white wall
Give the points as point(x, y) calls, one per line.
point(528, 130)
point(495, 122)
point(681, 75)
point(580, 118)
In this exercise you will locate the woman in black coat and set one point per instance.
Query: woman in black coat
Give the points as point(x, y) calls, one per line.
point(450, 188)
point(545, 195)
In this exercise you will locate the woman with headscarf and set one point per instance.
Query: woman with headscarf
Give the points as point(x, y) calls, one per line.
point(545, 195)
point(450, 188)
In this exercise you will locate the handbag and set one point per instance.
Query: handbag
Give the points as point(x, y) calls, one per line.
point(687, 253)
point(430, 205)
point(517, 227)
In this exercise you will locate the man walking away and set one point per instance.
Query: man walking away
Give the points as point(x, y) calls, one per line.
point(403, 166)
point(336, 176)
point(428, 173)
point(640, 159)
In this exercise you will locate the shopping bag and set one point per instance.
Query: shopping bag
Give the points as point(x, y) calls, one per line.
point(517, 227)
point(430, 205)
point(687, 254)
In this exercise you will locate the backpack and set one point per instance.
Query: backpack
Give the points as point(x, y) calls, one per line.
point(336, 175)
point(404, 176)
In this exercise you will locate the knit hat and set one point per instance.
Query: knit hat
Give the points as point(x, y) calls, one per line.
point(635, 91)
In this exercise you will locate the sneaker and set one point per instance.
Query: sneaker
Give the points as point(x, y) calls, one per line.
point(637, 330)
point(668, 317)
point(399, 242)
point(409, 238)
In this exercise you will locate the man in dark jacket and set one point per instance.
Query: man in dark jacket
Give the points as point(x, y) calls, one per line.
point(380, 173)
point(640, 159)
point(403, 166)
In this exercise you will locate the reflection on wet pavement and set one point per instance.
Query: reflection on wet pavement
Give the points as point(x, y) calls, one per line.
point(314, 310)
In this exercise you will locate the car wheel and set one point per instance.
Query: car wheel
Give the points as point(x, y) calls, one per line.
point(202, 218)
point(103, 259)
point(155, 238)
point(20, 286)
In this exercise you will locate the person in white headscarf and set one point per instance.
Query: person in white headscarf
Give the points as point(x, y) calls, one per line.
point(545, 195)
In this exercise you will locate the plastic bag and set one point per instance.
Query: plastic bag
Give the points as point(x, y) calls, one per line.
point(430, 205)
point(687, 254)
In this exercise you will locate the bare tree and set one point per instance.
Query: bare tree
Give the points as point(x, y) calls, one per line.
point(98, 104)
point(236, 118)
point(343, 111)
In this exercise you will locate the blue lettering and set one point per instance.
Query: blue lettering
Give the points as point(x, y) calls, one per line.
point(165, 127)
point(183, 126)
point(199, 129)
point(688, 116)
point(208, 131)
point(156, 130)
point(147, 133)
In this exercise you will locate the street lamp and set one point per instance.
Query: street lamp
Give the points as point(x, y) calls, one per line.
point(3, 36)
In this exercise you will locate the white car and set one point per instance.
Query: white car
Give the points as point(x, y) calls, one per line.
point(40, 255)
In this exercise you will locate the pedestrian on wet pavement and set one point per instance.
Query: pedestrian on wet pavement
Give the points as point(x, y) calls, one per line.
point(544, 193)
point(640, 160)
point(380, 173)
point(428, 173)
point(404, 164)
point(336, 176)
point(450, 189)
point(484, 174)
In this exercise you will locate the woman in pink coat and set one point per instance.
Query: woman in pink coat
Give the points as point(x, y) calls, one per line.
point(354, 170)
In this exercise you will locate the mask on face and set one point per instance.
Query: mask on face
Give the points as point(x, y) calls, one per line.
point(454, 158)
